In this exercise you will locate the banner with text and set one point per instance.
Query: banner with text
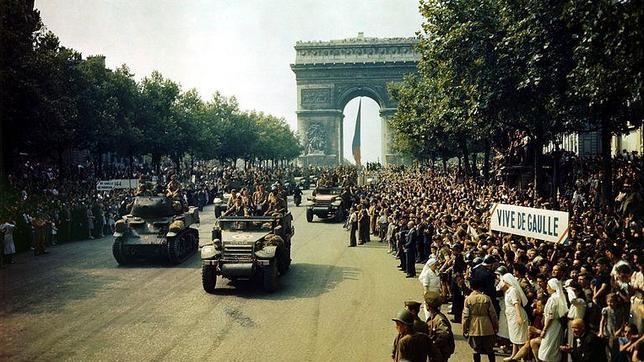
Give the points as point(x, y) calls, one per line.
point(109, 185)
point(549, 225)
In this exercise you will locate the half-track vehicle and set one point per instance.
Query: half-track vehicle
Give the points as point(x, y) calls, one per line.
point(248, 248)
point(325, 203)
point(156, 227)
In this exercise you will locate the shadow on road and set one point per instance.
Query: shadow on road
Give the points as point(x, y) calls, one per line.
point(54, 293)
point(193, 261)
point(302, 281)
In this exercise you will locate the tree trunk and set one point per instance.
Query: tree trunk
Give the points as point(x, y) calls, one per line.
point(538, 168)
point(177, 163)
point(466, 157)
point(486, 162)
point(607, 166)
point(474, 167)
point(131, 161)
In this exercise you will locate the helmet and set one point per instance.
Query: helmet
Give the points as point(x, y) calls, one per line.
point(404, 317)
point(501, 270)
point(489, 260)
point(478, 260)
point(433, 299)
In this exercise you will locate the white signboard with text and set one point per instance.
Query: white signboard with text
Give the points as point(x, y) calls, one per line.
point(105, 185)
point(109, 185)
point(549, 225)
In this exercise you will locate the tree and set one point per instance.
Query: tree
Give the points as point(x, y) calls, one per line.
point(19, 23)
point(606, 80)
point(161, 133)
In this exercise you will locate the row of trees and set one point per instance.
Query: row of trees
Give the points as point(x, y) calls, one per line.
point(490, 67)
point(53, 100)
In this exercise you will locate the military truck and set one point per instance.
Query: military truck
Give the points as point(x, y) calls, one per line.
point(325, 203)
point(248, 248)
point(156, 227)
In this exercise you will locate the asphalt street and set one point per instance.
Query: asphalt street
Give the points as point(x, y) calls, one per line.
point(335, 304)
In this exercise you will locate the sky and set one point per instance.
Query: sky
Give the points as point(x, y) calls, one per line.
point(241, 48)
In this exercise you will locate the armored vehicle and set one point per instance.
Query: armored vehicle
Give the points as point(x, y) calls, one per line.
point(156, 227)
point(248, 248)
point(325, 203)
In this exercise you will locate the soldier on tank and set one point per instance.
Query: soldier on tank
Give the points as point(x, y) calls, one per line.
point(142, 189)
point(173, 188)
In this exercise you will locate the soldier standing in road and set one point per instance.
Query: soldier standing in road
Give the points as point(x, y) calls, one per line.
point(410, 345)
point(480, 323)
point(440, 330)
point(414, 308)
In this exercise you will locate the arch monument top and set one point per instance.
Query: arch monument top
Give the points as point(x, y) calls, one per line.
point(331, 73)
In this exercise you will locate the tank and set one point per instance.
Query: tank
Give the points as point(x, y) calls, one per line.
point(156, 227)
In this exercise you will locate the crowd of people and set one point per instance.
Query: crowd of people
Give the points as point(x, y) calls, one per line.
point(538, 301)
point(41, 207)
point(535, 300)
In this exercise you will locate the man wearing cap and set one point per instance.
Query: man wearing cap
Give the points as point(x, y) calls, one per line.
point(410, 345)
point(414, 308)
point(440, 330)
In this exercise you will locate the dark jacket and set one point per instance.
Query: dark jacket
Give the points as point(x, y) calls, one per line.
point(487, 279)
point(588, 348)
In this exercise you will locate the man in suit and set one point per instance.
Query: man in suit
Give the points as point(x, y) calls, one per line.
point(409, 247)
point(586, 346)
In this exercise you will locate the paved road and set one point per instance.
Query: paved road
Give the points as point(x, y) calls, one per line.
point(76, 303)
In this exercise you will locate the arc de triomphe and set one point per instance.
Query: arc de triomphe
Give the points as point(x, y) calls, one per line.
point(331, 73)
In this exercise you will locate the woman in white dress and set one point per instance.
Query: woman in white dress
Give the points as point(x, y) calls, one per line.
point(552, 333)
point(429, 278)
point(503, 334)
point(517, 318)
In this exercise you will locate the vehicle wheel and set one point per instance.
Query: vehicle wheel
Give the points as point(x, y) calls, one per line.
point(117, 251)
point(176, 249)
point(283, 261)
point(217, 212)
point(309, 215)
point(270, 276)
point(208, 278)
point(339, 215)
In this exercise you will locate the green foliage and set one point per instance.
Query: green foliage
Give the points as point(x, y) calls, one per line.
point(489, 67)
point(54, 100)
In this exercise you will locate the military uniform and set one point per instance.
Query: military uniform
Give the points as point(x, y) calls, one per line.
point(440, 333)
point(480, 322)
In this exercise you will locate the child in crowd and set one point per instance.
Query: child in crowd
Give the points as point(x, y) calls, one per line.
point(627, 337)
point(609, 323)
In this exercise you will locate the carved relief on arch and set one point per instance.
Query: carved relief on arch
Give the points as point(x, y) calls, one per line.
point(316, 97)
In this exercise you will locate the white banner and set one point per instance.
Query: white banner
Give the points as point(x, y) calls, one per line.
point(109, 185)
point(105, 185)
point(126, 183)
point(549, 225)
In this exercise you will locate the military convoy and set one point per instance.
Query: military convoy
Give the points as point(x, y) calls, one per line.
point(325, 203)
point(156, 227)
point(248, 248)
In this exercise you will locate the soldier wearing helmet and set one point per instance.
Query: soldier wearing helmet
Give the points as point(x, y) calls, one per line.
point(410, 345)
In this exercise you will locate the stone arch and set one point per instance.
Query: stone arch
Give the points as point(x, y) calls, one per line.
point(330, 74)
point(360, 91)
